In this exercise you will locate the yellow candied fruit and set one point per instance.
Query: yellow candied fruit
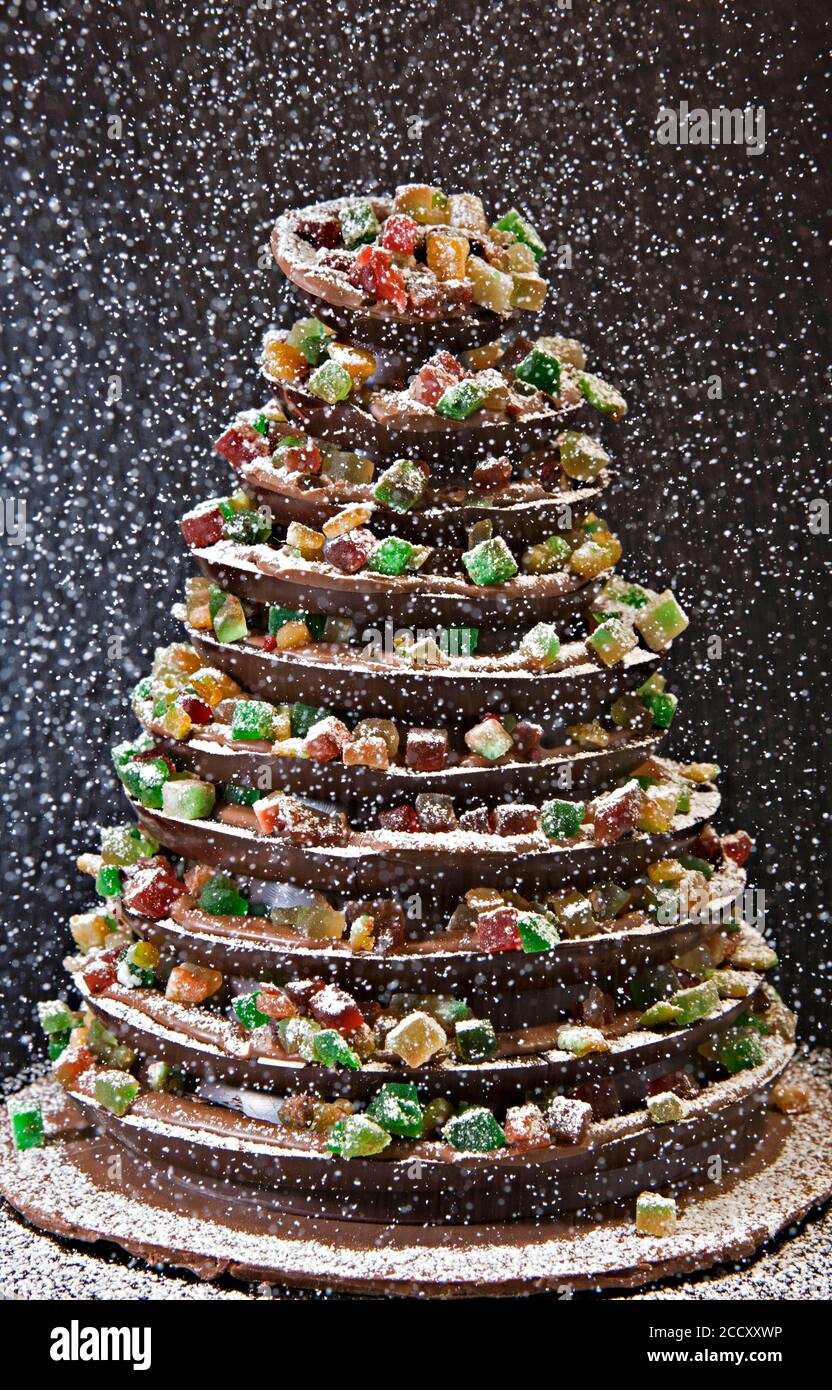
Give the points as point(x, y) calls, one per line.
point(212, 686)
point(362, 934)
point(178, 657)
point(197, 610)
point(658, 808)
point(597, 553)
point(567, 350)
point(307, 542)
point(700, 772)
point(467, 211)
point(281, 361)
point(175, 722)
point(88, 864)
point(492, 287)
point(592, 735)
point(360, 363)
point(480, 359)
point(540, 559)
point(791, 1095)
point(319, 922)
point(356, 514)
point(379, 728)
point(665, 871)
point(427, 206)
point(447, 253)
point(368, 751)
point(89, 930)
point(292, 635)
point(528, 292)
point(655, 1215)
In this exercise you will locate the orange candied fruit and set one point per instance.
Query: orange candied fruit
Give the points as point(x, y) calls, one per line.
point(281, 361)
point(191, 984)
point(357, 361)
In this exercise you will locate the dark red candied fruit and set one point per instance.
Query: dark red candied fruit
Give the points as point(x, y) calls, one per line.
point(301, 992)
point(680, 1082)
point(436, 813)
point(478, 820)
point(707, 845)
point(497, 929)
point(350, 552)
point(151, 891)
point(515, 820)
point(400, 234)
point(551, 474)
point(402, 818)
point(241, 443)
point(342, 261)
point(434, 377)
point(303, 458)
point(197, 710)
point(320, 231)
point(491, 475)
point(269, 642)
point(527, 738)
point(602, 1096)
point(374, 272)
point(99, 973)
point(737, 846)
point(616, 813)
point(426, 750)
point(202, 526)
point(428, 300)
point(334, 1008)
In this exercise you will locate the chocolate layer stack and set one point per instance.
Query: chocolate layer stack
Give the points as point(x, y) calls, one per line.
point(418, 923)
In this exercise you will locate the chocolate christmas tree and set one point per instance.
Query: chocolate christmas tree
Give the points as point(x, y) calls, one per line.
point(414, 922)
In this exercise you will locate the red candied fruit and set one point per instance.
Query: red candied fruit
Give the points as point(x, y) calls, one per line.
point(527, 738)
point(400, 234)
point(319, 231)
point(290, 818)
point(152, 890)
point(203, 526)
point(334, 1008)
point(551, 474)
point(497, 930)
point(433, 379)
point(75, 1059)
point(516, 820)
point(737, 846)
point(616, 813)
point(426, 750)
point(707, 845)
point(478, 820)
point(429, 300)
point(100, 972)
point(373, 272)
point(275, 1003)
point(241, 444)
point(269, 642)
point(491, 475)
point(403, 818)
point(302, 991)
point(302, 458)
point(197, 710)
point(680, 1082)
point(350, 552)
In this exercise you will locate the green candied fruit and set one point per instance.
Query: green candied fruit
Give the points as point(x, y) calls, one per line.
point(692, 861)
point(188, 798)
point(462, 399)
point(392, 556)
point(541, 370)
point(662, 706)
point(57, 1043)
point(519, 226)
point(149, 779)
point(105, 1046)
point(582, 458)
point(697, 1002)
point(247, 527)
point(297, 1036)
point(221, 897)
point(740, 1048)
point(458, 641)
point(661, 621)
point(611, 641)
point(330, 382)
point(603, 396)
point(302, 718)
point(660, 1015)
point(397, 1109)
point(476, 1040)
point(124, 753)
point(536, 932)
point(240, 796)
point(252, 719)
point(561, 820)
point(311, 337)
point(558, 547)
point(136, 966)
point(437, 1113)
point(474, 1131)
point(27, 1125)
point(541, 643)
point(161, 1076)
point(278, 617)
point(142, 691)
point(227, 616)
point(247, 1012)
point(358, 224)
point(331, 1050)
point(125, 845)
point(357, 1136)
point(665, 1108)
point(116, 1091)
point(582, 1041)
point(445, 1009)
point(490, 562)
point(400, 486)
point(108, 881)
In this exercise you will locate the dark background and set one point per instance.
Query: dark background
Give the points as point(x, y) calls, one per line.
point(137, 254)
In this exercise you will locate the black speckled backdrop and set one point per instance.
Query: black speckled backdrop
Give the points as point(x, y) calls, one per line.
point(147, 146)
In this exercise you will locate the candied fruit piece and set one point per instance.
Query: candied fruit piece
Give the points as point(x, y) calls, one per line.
point(305, 540)
point(326, 739)
point(252, 719)
point(426, 750)
point(594, 555)
point(527, 737)
point(582, 458)
point(426, 205)
point(358, 223)
point(397, 1109)
point(541, 646)
point(27, 1124)
point(660, 621)
point(281, 361)
point(568, 1120)
point(582, 1041)
point(435, 812)
point(489, 739)
point(241, 444)
point(447, 252)
point(217, 894)
point(750, 950)
point(375, 273)
point(90, 929)
point(525, 1127)
point(489, 563)
point(655, 1215)
point(151, 891)
point(492, 288)
point(791, 1095)
point(699, 1001)
point(515, 819)
point(319, 230)
point(227, 616)
point(203, 526)
point(490, 476)
point(190, 983)
point(462, 399)
point(616, 813)
point(311, 337)
point(602, 396)
point(520, 227)
point(400, 486)
point(357, 1136)
point(658, 808)
point(416, 1039)
point(362, 933)
point(400, 234)
point(665, 1108)
point(474, 1131)
point(662, 706)
point(536, 932)
point(528, 289)
point(320, 922)
point(350, 552)
point(562, 820)
point(334, 1008)
point(331, 1050)
point(541, 370)
point(330, 382)
point(498, 929)
point(116, 1091)
point(402, 819)
point(75, 1059)
point(367, 751)
point(360, 363)
point(392, 556)
point(477, 819)
point(476, 1040)
point(547, 556)
point(737, 847)
point(188, 798)
point(297, 456)
point(611, 641)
